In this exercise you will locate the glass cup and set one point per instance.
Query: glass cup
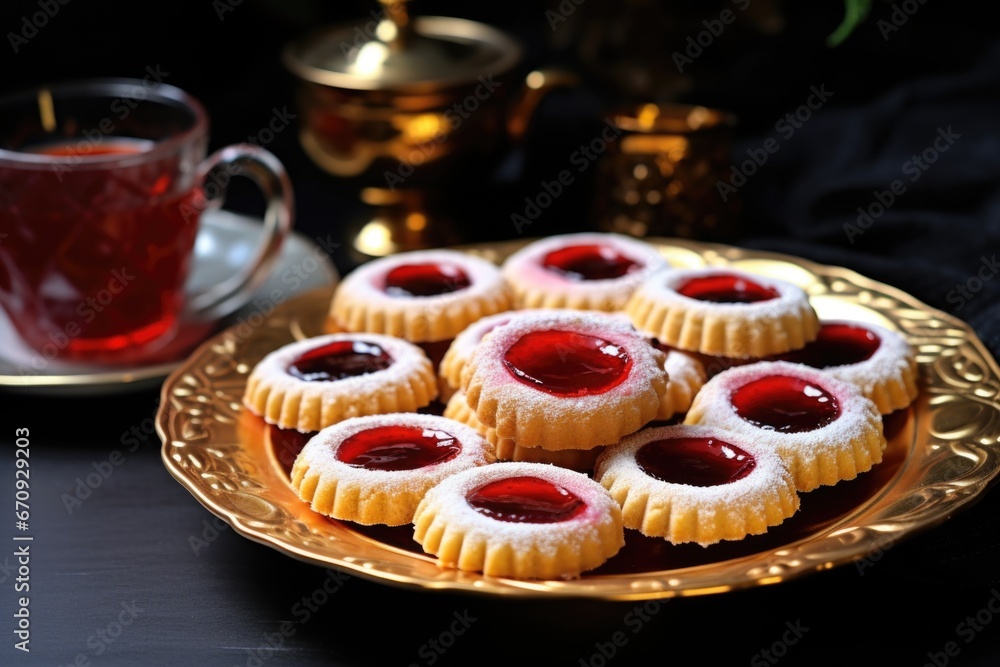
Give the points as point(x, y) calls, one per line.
point(102, 187)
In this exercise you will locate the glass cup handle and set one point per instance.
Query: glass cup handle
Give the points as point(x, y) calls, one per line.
point(213, 176)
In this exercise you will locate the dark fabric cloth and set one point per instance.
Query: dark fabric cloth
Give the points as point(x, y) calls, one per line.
point(939, 238)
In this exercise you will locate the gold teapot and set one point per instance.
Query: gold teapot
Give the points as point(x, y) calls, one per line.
point(401, 105)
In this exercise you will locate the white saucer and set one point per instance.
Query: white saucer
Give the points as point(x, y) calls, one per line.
point(226, 242)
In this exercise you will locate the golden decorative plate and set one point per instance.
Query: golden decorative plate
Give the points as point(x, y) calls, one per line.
point(943, 452)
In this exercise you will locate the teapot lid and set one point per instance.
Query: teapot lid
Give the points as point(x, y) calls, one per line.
point(395, 51)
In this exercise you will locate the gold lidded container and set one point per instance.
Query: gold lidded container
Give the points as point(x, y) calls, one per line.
point(402, 105)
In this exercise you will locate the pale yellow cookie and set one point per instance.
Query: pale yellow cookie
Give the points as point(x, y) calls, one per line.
point(421, 296)
point(520, 520)
point(697, 484)
point(314, 383)
point(566, 380)
point(723, 312)
point(376, 469)
point(585, 271)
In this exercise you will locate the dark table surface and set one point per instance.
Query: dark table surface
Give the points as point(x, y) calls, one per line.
point(139, 573)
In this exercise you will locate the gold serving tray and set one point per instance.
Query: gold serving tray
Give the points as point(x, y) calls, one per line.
point(943, 452)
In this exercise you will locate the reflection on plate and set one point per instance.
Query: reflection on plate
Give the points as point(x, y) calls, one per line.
point(225, 244)
point(943, 452)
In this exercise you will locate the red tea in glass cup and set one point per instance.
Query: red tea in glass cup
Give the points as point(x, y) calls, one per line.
point(102, 186)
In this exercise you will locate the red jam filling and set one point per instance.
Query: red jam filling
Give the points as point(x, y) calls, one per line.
point(398, 448)
point(727, 288)
point(785, 404)
point(836, 345)
point(567, 363)
point(695, 461)
point(425, 279)
point(526, 500)
point(336, 361)
point(589, 262)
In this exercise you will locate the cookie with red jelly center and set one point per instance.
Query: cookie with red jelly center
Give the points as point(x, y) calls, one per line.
point(825, 430)
point(376, 469)
point(586, 271)
point(423, 296)
point(723, 312)
point(522, 520)
point(880, 361)
point(697, 484)
point(310, 384)
point(565, 380)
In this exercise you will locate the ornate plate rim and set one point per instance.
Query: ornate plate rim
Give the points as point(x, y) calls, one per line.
point(940, 490)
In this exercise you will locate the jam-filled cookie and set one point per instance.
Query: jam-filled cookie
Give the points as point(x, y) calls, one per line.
point(697, 484)
point(824, 429)
point(880, 361)
point(521, 520)
point(566, 380)
point(586, 271)
point(316, 382)
point(505, 449)
point(421, 296)
point(724, 312)
point(376, 469)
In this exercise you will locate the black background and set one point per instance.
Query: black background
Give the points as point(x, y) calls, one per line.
point(130, 540)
